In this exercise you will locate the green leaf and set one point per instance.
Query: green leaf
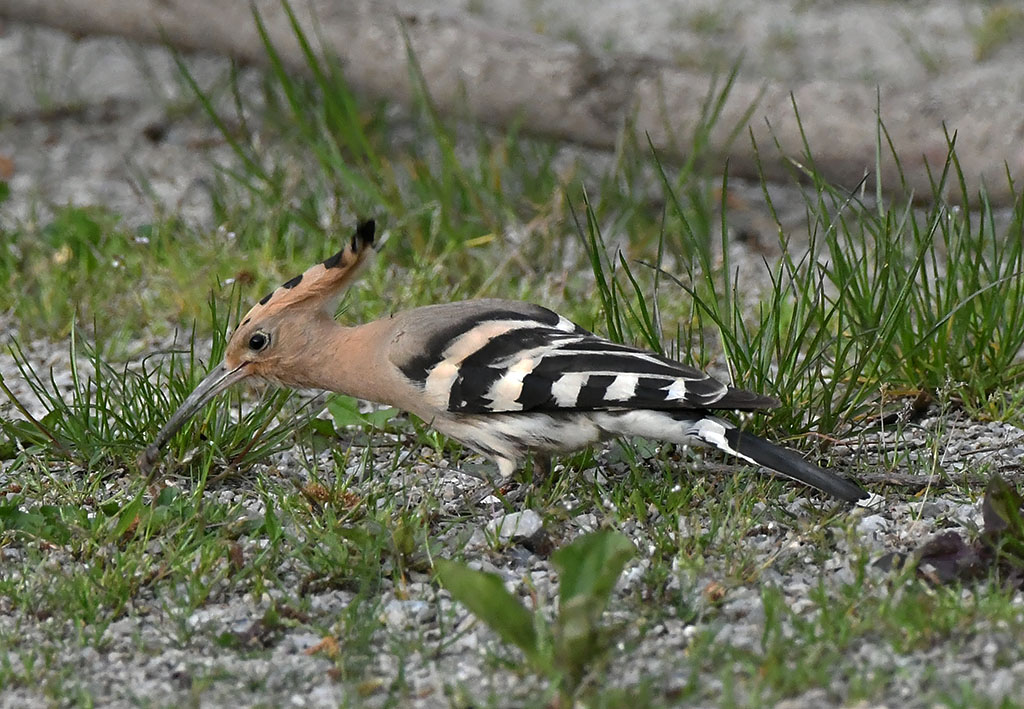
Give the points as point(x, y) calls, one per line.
point(43, 522)
point(14, 519)
point(8, 448)
point(24, 432)
point(167, 497)
point(271, 525)
point(127, 516)
point(590, 566)
point(345, 412)
point(357, 536)
point(321, 427)
point(579, 640)
point(588, 569)
point(485, 596)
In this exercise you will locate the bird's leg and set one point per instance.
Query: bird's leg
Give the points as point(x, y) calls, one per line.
point(489, 484)
point(541, 470)
point(506, 469)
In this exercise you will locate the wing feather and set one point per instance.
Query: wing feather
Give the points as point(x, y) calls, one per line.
point(547, 369)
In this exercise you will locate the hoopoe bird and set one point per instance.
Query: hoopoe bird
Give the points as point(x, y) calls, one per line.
point(504, 378)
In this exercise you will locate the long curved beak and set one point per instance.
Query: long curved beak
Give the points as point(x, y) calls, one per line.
point(214, 383)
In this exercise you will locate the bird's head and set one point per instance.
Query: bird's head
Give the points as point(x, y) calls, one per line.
point(276, 334)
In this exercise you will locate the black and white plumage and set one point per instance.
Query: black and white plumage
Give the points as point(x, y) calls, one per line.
point(505, 378)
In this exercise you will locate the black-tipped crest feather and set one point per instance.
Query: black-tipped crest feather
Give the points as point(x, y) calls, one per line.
point(362, 238)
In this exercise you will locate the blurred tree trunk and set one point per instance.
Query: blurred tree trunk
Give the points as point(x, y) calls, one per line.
point(559, 90)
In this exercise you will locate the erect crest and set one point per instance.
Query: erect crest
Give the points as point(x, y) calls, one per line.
point(324, 283)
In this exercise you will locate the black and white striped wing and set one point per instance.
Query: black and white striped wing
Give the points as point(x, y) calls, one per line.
point(547, 363)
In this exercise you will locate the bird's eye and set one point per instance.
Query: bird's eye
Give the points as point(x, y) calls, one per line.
point(259, 341)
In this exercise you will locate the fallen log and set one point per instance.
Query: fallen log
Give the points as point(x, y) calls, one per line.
point(559, 90)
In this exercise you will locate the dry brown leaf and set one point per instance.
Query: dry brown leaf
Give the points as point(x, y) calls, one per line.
point(328, 646)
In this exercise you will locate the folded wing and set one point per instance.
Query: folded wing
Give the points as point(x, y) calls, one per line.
point(543, 368)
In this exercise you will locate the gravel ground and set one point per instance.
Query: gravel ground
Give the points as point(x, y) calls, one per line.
point(84, 124)
point(145, 661)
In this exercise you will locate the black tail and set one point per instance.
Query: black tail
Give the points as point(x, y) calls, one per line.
point(792, 465)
